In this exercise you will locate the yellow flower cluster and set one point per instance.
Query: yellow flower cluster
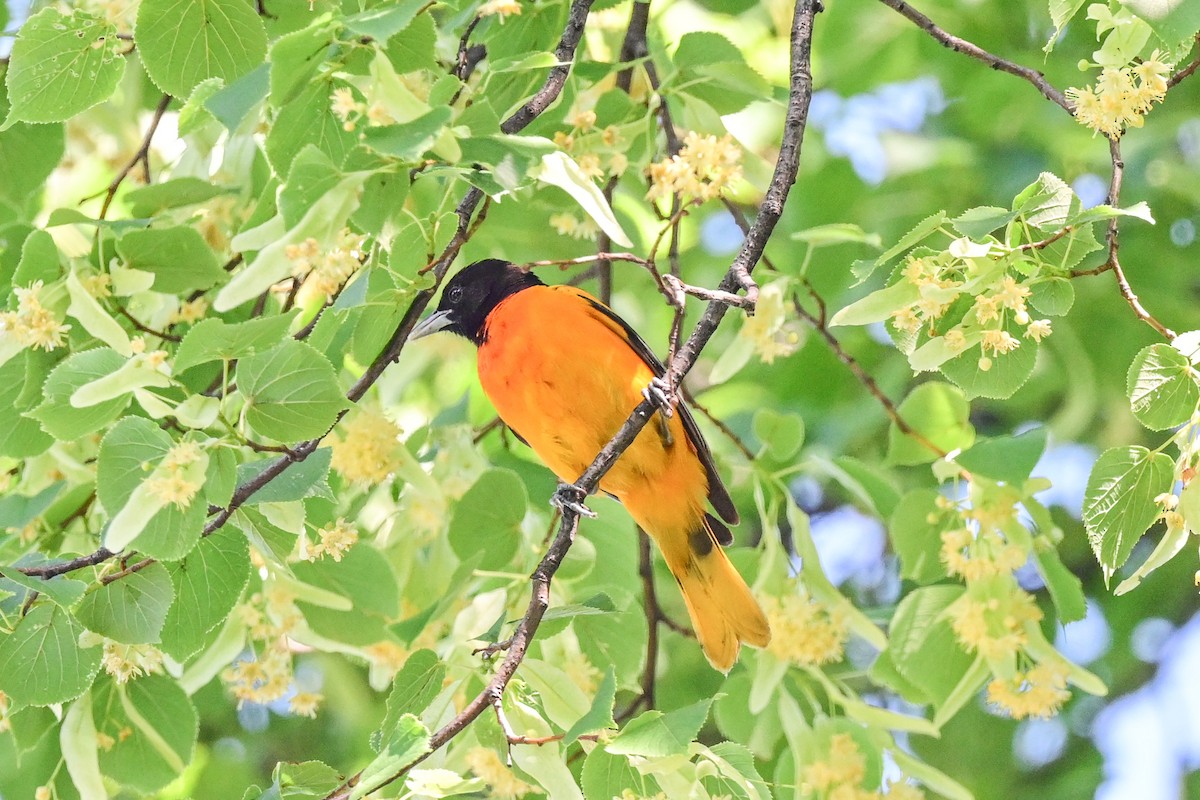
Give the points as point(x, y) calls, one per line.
point(190, 311)
point(839, 775)
point(702, 168)
point(32, 324)
point(972, 557)
point(176, 485)
point(994, 625)
point(566, 224)
point(269, 617)
point(1040, 692)
point(98, 285)
point(1121, 97)
point(501, 8)
point(305, 704)
point(630, 794)
point(127, 661)
point(365, 452)
point(5, 724)
point(771, 331)
point(940, 279)
point(333, 541)
point(325, 272)
point(488, 766)
point(804, 631)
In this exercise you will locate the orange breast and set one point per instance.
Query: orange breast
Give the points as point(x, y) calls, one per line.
point(564, 378)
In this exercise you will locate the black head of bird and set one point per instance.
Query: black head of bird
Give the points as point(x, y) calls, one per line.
point(471, 295)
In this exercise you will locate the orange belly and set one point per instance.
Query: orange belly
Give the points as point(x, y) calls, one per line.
point(565, 379)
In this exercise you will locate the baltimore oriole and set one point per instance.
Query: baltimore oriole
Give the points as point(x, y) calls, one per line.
point(565, 372)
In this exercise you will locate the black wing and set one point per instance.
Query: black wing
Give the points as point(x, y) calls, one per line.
point(718, 495)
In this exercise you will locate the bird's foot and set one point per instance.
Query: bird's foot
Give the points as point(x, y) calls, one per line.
point(569, 496)
point(659, 393)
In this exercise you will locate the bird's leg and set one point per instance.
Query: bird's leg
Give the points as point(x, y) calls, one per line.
point(659, 393)
point(570, 496)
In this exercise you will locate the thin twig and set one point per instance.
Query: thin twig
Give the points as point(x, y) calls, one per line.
point(720, 425)
point(124, 312)
point(866, 380)
point(960, 45)
point(1112, 239)
point(141, 156)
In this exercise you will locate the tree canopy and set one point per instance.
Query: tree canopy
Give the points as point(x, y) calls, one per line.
point(925, 276)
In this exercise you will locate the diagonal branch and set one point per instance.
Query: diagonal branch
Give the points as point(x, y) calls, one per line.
point(960, 45)
point(786, 168)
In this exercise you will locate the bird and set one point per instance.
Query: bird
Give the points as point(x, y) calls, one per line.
point(564, 372)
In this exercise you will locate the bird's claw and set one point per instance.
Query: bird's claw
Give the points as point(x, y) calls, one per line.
point(658, 392)
point(569, 496)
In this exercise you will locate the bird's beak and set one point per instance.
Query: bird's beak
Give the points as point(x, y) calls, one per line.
point(437, 321)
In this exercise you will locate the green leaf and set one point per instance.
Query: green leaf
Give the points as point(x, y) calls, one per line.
point(308, 478)
point(917, 542)
point(179, 258)
point(384, 22)
point(39, 260)
point(409, 741)
point(216, 340)
point(129, 453)
point(1053, 296)
point(406, 142)
point(1161, 386)
point(56, 414)
point(1006, 458)
point(878, 305)
point(21, 435)
point(231, 104)
point(296, 56)
point(836, 233)
point(146, 201)
point(653, 733)
point(1066, 590)
point(41, 662)
point(60, 590)
point(559, 169)
point(364, 576)
point(308, 779)
point(29, 153)
point(18, 510)
point(600, 715)
point(132, 609)
point(781, 434)
point(308, 119)
point(413, 689)
point(487, 520)
point(184, 42)
point(940, 414)
point(1118, 504)
point(921, 231)
point(922, 645)
point(976, 223)
point(80, 749)
point(1046, 203)
point(1007, 373)
point(870, 482)
point(606, 776)
point(291, 392)
point(208, 583)
point(61, 65)
point(162, 727)
point(1172, 20)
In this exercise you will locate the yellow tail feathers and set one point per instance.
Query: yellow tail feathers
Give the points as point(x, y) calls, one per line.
point(723, 611)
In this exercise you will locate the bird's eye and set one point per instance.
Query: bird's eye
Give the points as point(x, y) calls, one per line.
point(455, 294)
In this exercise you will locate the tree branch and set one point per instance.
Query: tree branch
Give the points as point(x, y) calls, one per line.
point(142, 156)
point(960, 45)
